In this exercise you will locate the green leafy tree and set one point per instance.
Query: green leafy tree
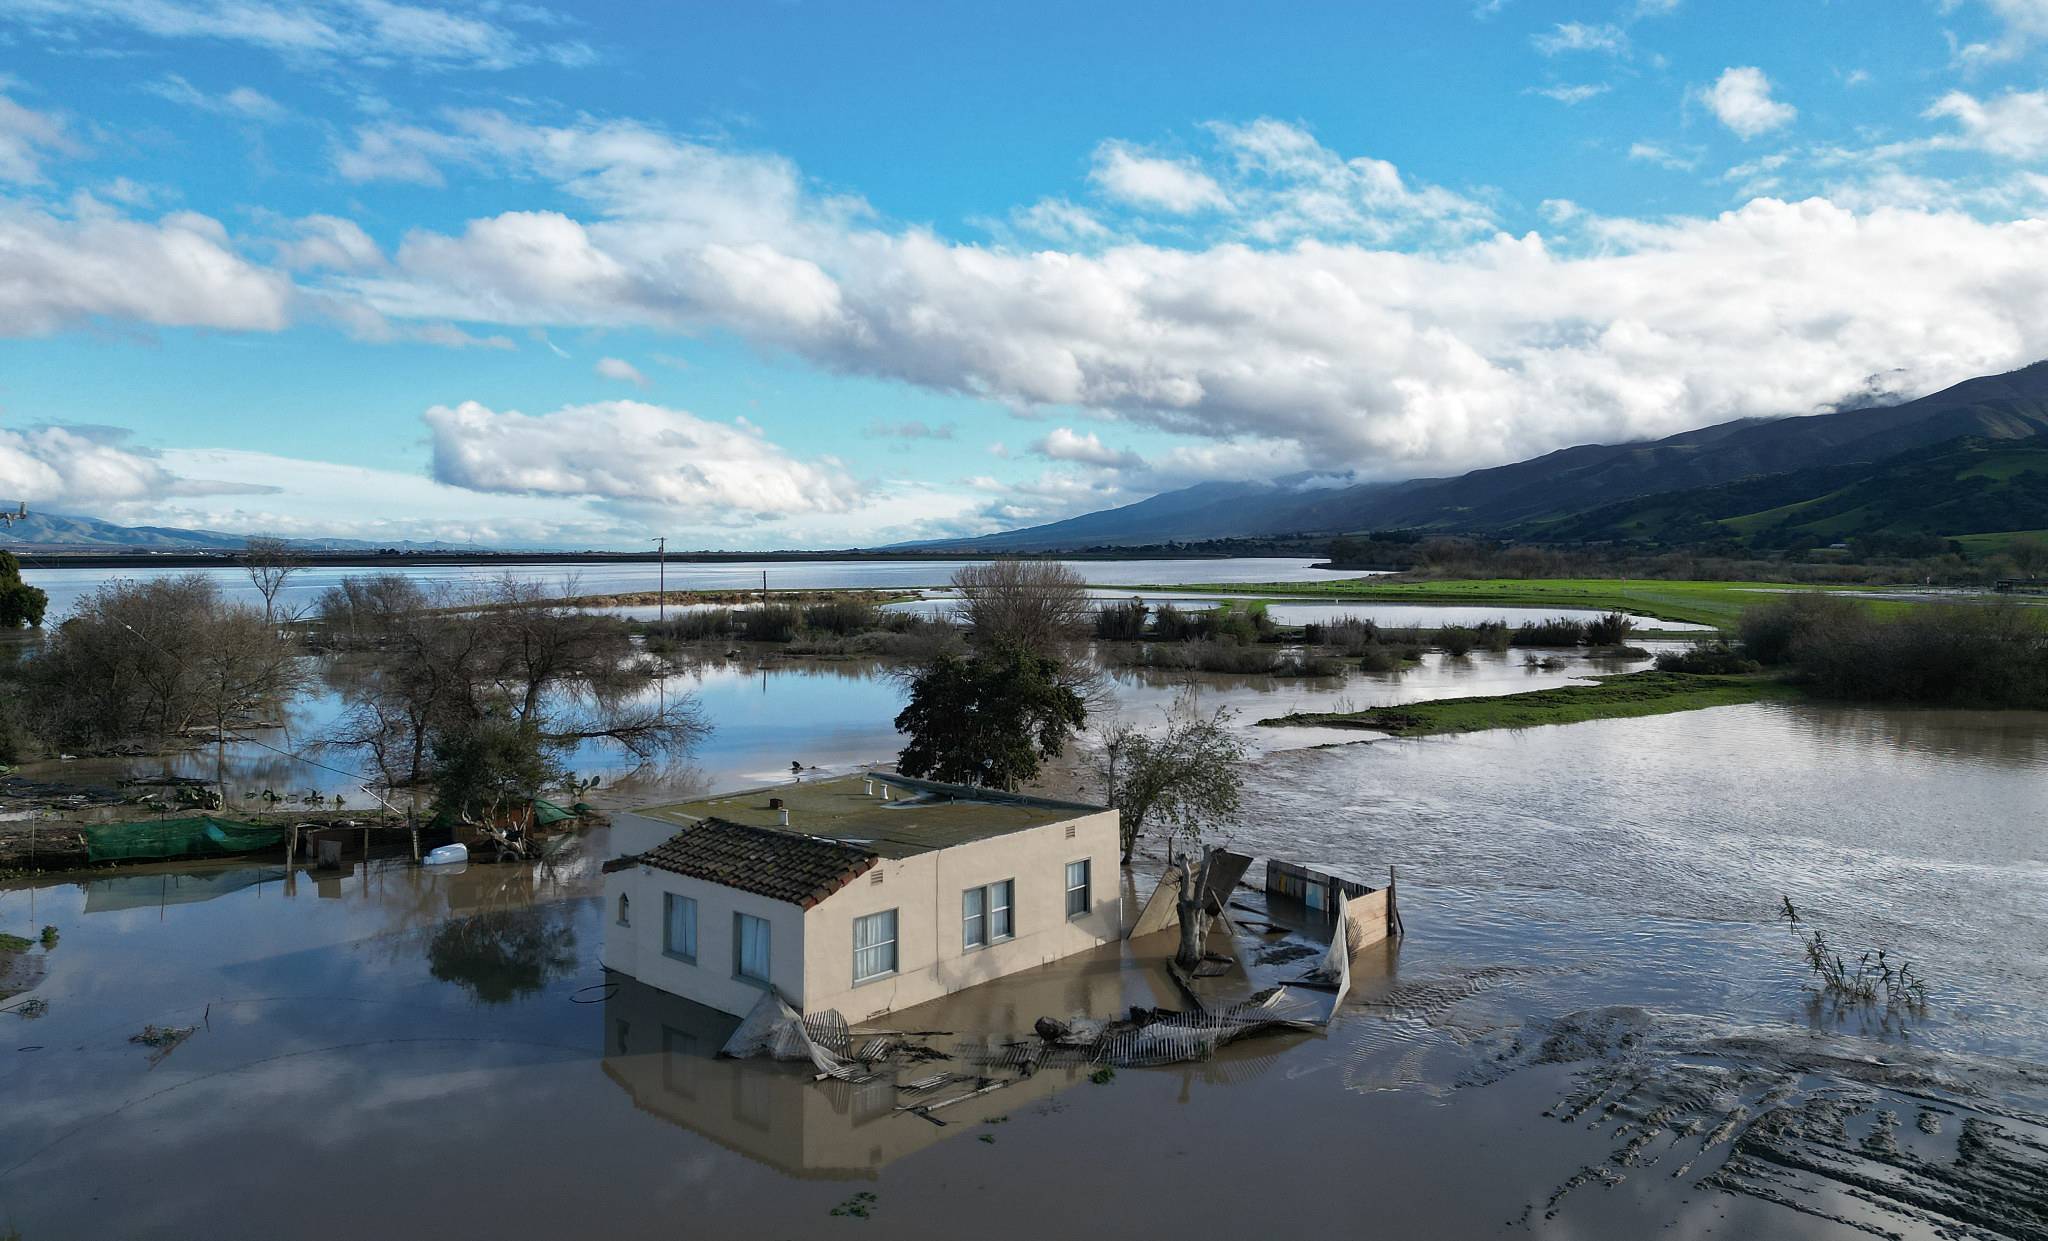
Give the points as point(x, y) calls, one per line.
point(485, 766)
point(20, 603)
point(1188, 777)
point(989, 719)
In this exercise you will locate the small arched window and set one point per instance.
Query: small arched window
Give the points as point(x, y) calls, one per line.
point(625, 908)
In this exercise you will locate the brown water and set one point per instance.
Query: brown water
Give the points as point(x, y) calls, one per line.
point(1595, 1027)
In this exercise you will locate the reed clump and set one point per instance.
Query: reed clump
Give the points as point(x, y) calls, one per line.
point(1875, 976)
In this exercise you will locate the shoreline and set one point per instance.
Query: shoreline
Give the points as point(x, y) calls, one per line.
point(1624, 695)
point(231, 558)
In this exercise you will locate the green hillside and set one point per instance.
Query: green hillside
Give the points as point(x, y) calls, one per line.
point(1964, 487)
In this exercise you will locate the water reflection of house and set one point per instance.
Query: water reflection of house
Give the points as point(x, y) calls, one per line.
point(863, 894)
point(662, 1050)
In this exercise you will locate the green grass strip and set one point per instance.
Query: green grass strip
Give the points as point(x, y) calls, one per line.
point(1617, 696)
point(1699, 603)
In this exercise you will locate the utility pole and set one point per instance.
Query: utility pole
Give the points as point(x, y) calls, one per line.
point(661, 559)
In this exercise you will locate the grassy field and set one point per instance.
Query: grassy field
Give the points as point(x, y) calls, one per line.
point(1614, 697)
point(1980, 545)
point(1702, 603)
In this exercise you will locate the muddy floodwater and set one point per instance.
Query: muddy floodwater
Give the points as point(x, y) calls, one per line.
point(1595, 1026)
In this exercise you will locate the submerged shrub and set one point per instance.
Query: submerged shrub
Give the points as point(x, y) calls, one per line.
point(1232, 621)
point(844, 617)
point(1171, 624)
point(769, 622)
point(1990, 655)
point(1715, 656)
point(1775, 632)
point(1456, 640)
point(1557, 631)
point(1121, 622)
point(1388, 656)
point(1611, 629)
point(1493, 634)
point(1351, 634)
point(692, 626)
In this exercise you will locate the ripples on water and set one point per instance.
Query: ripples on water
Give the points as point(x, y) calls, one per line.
point(1593, 980)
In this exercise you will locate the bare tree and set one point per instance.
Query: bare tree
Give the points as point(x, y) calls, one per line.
point(270, 563)
point(242, 667)
point(1037, 604)
point(486, 686)
point(140, 662)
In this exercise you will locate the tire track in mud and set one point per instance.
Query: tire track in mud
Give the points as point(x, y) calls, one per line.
point(1791, 1122)
point(1902, 1143)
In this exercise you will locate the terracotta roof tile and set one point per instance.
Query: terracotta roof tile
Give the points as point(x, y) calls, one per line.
point(780, 865)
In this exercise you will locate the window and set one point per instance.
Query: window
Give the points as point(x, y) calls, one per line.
point(750, 949)
point(1000, 924)
point(974, 917)
point(625, 918)
point(679, 927)
point(987, 914)
point(1078, 902)
point(874, 946)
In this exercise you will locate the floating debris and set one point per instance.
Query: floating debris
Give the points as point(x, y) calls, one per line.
point(164, 1040)
point(860, 1206)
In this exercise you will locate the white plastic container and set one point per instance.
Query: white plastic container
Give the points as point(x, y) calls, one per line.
point(446, 855)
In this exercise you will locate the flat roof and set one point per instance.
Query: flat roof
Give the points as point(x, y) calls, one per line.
point(919, 816)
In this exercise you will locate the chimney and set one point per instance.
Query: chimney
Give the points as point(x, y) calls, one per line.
point(885, 792)
point(775, 803)
point(867, 787)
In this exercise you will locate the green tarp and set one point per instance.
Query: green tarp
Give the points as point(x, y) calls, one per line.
point(204, 836)
point(547, 812)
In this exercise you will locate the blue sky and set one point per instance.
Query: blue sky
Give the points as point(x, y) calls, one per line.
point(813, 274)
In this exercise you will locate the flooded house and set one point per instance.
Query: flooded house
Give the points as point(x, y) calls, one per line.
point(860, 893)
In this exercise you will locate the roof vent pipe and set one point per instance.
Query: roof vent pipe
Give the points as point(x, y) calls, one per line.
point(782, 817)
point(885, 792)
point(867, 787)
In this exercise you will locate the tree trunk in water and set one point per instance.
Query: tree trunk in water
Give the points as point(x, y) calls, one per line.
point(1194, 911)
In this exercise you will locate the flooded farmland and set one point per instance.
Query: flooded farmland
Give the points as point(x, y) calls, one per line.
point(1596, 1024)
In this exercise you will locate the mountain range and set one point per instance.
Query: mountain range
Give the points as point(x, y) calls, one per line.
point(50, 532)
point(1970, 459)
point(1768, 481)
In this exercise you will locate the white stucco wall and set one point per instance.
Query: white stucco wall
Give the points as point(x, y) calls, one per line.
point(811, 960)
point(925, 890)
point(637, 949)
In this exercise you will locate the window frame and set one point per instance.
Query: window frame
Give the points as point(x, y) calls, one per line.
point(894, 942)
point(1086, 887)
point(739, 948)
point(987, 914)
point(669, 901)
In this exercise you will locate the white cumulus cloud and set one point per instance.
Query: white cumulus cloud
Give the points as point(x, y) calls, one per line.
point(1741, 99)
point(69, 467)
point(2013, 125)
point(1132, 177)
point(1566, 37)
point(180, 271)
point(377, 31)
point(1479, 348)
point(621, 370)
point(635, 453)
point(27, 138)
point(1067, 444)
